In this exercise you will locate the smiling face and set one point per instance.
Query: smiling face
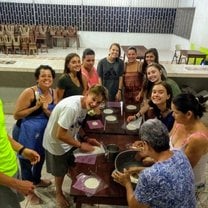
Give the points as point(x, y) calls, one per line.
point(153, 74)
point(150, 58)
point(45, 79)
point(131, 55)
point(93, 101)
point(114, 52)
point(74, 64)
point(159, 94)
point(88, 61)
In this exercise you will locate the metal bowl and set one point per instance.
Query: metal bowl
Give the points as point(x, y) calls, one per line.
point(126, 159)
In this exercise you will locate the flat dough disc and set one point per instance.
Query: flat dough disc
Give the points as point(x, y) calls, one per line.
point(131, 127)
point(110, 118)
point(108, 111)
point(91, 183)
point(94, 123)
point(131, 107)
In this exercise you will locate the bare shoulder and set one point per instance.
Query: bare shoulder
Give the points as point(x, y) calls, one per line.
point(200, 139)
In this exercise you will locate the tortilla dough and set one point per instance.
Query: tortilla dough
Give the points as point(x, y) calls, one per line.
point(131, 127)
point(94, 123)
point(131, 107)
point(110, 118)
point(91, 183)
point(108, 111)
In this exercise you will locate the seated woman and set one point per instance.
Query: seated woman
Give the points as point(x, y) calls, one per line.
point(190, 134)
point(133, 77)
point(162, 184)
point(154, 75)
point(160, 104)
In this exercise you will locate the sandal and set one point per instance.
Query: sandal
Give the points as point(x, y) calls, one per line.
point(44, 183)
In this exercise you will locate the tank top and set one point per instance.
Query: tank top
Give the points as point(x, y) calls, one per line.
point(199, 168)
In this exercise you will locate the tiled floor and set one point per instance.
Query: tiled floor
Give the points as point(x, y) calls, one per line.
point(55, 57)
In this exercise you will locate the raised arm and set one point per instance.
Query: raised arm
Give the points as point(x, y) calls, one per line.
point(23, 105)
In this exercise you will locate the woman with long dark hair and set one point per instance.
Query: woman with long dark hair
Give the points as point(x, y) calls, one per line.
point(190, 134)
point(72, 81)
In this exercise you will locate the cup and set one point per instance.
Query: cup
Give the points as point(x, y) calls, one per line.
point(111, 152)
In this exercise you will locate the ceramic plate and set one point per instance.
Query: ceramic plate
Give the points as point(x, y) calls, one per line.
point(131, 127)
point(91, 183)
point(108, 111)
point(131, 107)
point(110, 118)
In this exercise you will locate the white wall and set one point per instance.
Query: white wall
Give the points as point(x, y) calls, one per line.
point(199, 34)
point(104, 39)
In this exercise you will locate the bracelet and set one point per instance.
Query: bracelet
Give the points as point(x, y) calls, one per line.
point(119, 89)
point(137, 116)
point(21, 150)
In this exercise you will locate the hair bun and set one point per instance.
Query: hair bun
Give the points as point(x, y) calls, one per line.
point(202, 98)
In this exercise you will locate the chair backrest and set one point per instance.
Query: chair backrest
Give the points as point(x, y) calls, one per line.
point(177, 47)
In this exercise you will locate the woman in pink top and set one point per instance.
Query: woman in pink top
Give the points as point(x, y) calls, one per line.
point(190, 134)
point(88, 69)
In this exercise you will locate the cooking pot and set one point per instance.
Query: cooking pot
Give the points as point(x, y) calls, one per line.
point(126, 159)
point(111, 152)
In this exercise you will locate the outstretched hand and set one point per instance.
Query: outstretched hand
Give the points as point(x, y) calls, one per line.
point(24, 187)
point(93, 142)
point(121, 178)
point(130, 118)
point(86, 147)
point(31, 155)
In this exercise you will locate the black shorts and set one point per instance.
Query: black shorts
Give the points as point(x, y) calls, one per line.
point(58, 165)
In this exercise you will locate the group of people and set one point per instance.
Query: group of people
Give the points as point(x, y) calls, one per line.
point(49, 125)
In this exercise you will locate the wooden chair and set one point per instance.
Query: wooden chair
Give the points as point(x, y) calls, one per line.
point(24, 43)
point(8, 44)
point(177, 55)
point(16, 44)
point(2, 44)
point(73, 35)
point(32, 47)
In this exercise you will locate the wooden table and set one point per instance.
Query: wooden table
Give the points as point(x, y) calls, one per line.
point(140, 51)
point(111, 133)
point(191, 54)
point(114, 194)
